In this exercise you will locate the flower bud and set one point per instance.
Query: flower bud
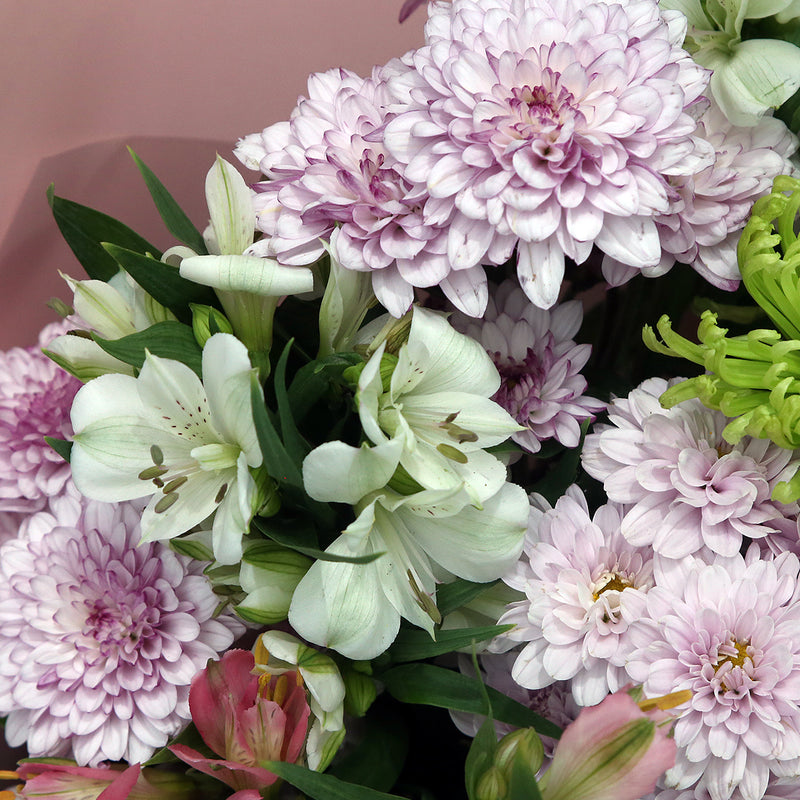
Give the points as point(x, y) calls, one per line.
point(360, 692)
point(206, 321)
point(491, 785)
point(522, 747)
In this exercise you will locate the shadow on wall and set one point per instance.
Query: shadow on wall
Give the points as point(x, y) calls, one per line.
point(101, 175)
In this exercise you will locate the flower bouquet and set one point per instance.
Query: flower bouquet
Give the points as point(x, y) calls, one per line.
point(419, 424)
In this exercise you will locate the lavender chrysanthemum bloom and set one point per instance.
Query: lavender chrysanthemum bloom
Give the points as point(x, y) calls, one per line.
point(100, 638)
point(777, 789)
point(703, 227)
point(330, 177)
point(539, 365)
point(584, 585)
point(729, 632)
point(552, 126)
point(35, 400)
point(685, 485)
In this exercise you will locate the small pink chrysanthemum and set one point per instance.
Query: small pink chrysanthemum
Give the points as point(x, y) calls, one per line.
point(100, 638)
point(703, 227)
point(35, 400)
point(778, 789)
point(539, 365)
point(584, 586)
point(729, 632)
point(550, 125)
point(685, 485)
point(331, 178)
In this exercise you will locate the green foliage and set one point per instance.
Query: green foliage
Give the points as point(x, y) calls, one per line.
point(175, 219)
point(414, 644)
point(165, 339)
point(85, 229)
point(430, 685)
point(162, 281)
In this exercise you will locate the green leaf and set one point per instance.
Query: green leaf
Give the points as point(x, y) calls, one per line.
point(321, 786)
point(426, 684)
point(314, 379)
point(84, 229)
point(288, 538)
point(565, 471)
point(62, 447)
point(168, 339)
point(413, 644)
point(377, 760)
point(277, 461)
point(451, 596)
point(178, 224)
point(480, 757)
point(296, 447)
point(162, 281)
point(522, 785)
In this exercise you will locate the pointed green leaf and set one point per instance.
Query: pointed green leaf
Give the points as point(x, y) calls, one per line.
point(522, 785)
point(377, 760)
point(314, 379)
point(178, 224)
point(296, 447)
point(166, 339)
point(450, 596)
point(320, 786)
point(480, 757)
point(162, 281)
point(276, 460)
point(63, 448)
point(84, 229)
point(413, 644)
point(289, 536)
point(426, 684)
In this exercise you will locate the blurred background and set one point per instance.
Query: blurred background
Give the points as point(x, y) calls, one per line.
point(177, 81)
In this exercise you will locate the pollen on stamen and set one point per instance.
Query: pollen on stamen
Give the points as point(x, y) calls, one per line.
point(167, 501)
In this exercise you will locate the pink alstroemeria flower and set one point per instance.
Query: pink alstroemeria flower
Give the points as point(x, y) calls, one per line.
point(612, 751)
point(58, 779)
point(247, 719)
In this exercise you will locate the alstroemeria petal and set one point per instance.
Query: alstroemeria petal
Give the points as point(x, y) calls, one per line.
point(760, 74)
point(337, 472)
point(230, 207)
point(457, 363)
point(239, 273)
point(226, 378)
point(197, 502)
point(476, 545)
point(101, 307)
point(342, 605)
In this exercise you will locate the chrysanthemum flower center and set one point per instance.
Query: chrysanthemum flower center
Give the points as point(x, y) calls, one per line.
point(537, 110)
point(117, 623)
point(730, 667)
point(611, 582)
point(521, 383)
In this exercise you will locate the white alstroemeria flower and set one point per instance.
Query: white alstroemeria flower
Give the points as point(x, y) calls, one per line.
point(166, 434)
point(356, 608)
point(277, 652)
point(113, 309)
point(249, 287)
point(438, 406)
point(749, 77)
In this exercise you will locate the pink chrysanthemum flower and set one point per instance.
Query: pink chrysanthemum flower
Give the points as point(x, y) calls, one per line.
point(330, 177)
point(100, 638)
point(729, 633)
point(687, 487)
point(553, 126)
point(584, 586)
point(778, 789)
point(539, 365)
point(35, 400)
point(703, 228)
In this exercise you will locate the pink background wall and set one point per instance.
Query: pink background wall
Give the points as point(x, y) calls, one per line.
point(177, 80)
